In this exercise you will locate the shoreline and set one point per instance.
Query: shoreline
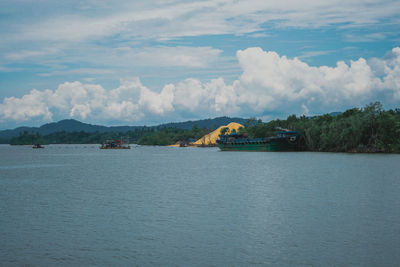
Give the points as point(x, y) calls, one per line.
point(353, 151)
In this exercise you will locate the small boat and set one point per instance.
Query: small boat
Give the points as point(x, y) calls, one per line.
point(114, 144)
point(37, 146)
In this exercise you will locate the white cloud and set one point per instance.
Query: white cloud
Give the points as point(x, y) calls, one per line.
point(24, 54)
point(78, 71)
point(157, 103)
point(391, 80)
point(191, 95)
point(7, 69)
point(79, 110)
point(107, 60)
point(180, 56)
point(271, 82)
point(32, 105)
point(212, 98)
point(370, 37)
point(129, 102)
point(98, 38)
point(310, 54)
point(268, 83)
point(258, 35)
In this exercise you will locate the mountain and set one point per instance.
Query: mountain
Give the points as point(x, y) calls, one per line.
point(68, 125)
point(71, 125)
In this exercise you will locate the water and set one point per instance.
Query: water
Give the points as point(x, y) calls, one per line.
point(77, 205)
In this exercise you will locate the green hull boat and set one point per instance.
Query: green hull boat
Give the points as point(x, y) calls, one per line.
point(284, 141)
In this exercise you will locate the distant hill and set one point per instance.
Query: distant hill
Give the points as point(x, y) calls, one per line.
point(71, 125)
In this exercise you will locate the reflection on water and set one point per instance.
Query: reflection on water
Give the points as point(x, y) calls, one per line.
point(78, 205)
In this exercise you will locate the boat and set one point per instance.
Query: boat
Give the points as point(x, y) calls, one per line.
point(37, 146)
point(114, 144)
point(283, 141)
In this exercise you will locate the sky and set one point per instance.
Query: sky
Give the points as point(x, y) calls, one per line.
point(157, 61)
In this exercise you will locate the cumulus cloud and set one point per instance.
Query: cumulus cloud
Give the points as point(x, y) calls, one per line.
point(157, 103)
point(269, 83)
point(129, 102)
point(212, 98)
point(32, 105)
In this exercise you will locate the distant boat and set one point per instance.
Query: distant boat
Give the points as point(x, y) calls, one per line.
point(114, 144)
point(283, 141)
point(37, 146)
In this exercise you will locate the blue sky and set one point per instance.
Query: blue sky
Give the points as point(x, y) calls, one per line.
point(150, 62)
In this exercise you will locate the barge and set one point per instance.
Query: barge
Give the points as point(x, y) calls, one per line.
point(283, 141)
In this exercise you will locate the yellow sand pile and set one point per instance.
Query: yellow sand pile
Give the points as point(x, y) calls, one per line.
point(211, 138)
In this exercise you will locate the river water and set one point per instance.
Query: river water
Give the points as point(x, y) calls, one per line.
point(77, 205)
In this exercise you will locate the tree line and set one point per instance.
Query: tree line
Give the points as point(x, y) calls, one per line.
point(143, 136)
point(368, 129)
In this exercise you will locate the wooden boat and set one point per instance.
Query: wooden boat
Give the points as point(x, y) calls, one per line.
point(37, 146)
point(114, 144)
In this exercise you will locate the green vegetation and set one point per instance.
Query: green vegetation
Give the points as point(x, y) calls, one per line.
point(370, 129)
point(28, 139)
